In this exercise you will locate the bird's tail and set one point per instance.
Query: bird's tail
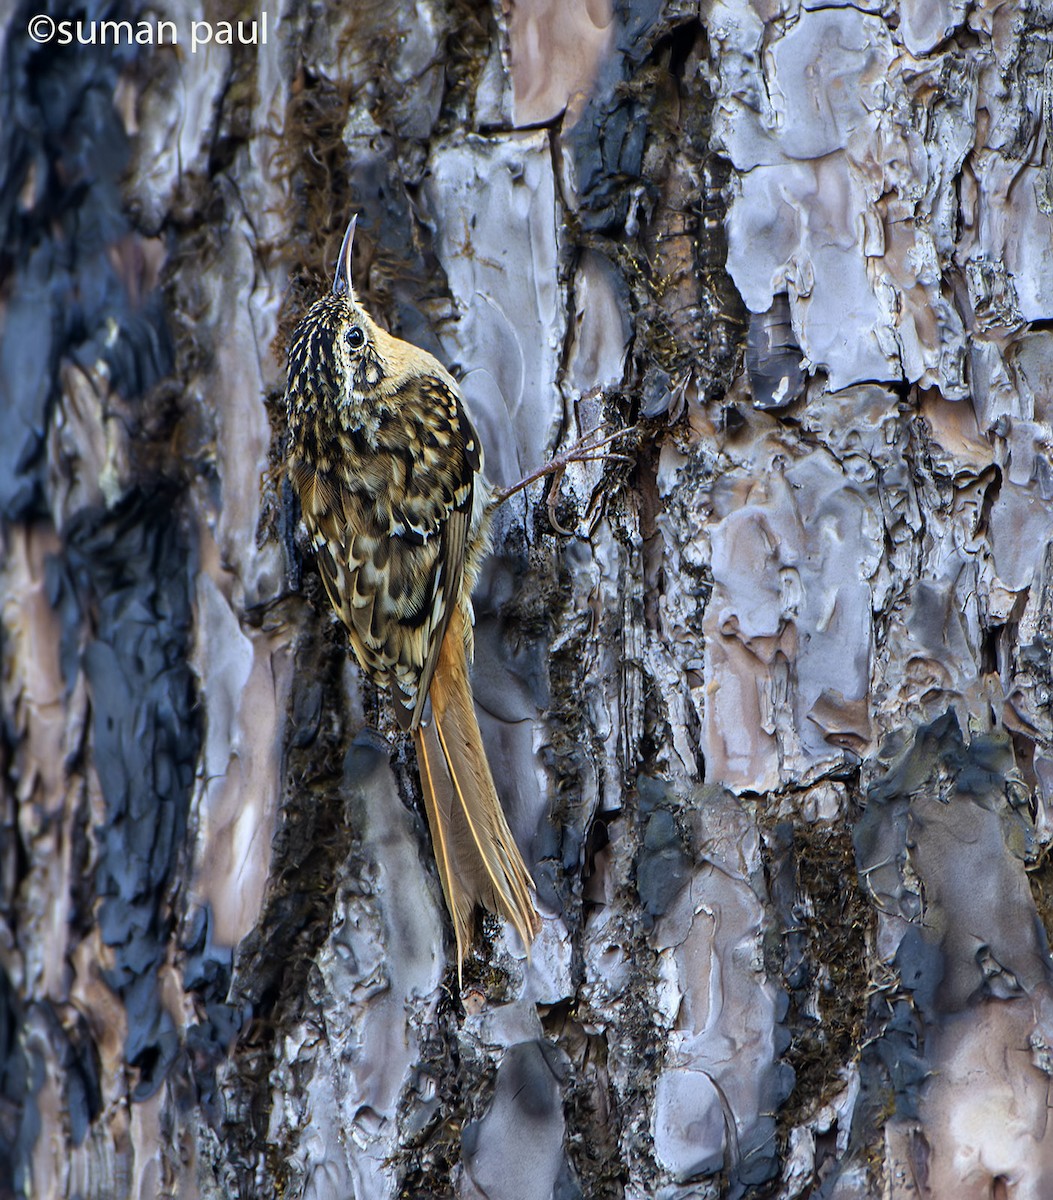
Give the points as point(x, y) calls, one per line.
point(479, 862)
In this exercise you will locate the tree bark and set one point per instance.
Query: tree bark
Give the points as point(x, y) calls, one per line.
point(766, 688)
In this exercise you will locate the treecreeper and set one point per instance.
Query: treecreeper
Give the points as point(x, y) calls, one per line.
point(389, 471)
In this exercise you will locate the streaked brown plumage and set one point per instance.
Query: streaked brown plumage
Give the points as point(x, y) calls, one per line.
point(388, 469)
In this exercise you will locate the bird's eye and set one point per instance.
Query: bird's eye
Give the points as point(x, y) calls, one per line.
point(356, 339)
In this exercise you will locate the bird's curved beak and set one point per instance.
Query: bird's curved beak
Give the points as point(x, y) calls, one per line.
point(342, 280)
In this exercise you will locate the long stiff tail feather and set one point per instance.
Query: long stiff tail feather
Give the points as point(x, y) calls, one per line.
point(478, 860)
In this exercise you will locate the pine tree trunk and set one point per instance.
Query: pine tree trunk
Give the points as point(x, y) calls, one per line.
point(766, 688)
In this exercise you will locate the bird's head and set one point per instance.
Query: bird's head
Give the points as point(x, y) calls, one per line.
point(337, 354)
point(342, 361)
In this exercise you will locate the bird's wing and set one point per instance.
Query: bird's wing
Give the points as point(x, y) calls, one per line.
point(391, 526)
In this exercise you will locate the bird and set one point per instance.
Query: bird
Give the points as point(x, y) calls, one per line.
point(389, 472)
